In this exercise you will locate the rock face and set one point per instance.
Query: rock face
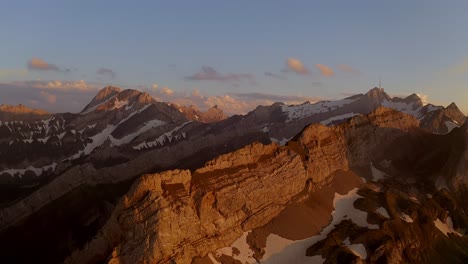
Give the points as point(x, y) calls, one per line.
point(178, 216)
point(195, 213)
point(459, 181)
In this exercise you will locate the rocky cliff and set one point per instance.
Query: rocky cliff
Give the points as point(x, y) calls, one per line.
point(181, 216)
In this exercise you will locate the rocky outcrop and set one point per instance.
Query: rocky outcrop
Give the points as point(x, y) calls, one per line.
point(353, 143)
point(179, 215)
point(191, 214)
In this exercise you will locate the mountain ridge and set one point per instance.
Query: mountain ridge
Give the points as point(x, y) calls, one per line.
point(207, 214)
point(127, 134)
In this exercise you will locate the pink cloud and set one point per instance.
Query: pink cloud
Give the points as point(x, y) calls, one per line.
point(39, 64)
point(325, 70)
point(231, 103)
point(297, 66)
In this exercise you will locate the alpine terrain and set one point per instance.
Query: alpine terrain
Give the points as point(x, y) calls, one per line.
point(366, 179)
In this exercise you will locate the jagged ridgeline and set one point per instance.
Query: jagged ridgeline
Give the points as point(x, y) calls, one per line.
point(368, 178)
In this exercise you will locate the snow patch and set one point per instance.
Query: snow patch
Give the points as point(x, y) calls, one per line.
point(408, 108)
point(128, 107)
point(431, 108)
point(383, 212)
point(161, 140)
point(128, 138)
point(446, 227)
point(450, 125)
point(280, 250)
point(91, 109)
point(406, 218)
point(307, 109)
point(37, 171)
point(336, 118)
point(357, 249)
point(245, 255)
point(101, 137)
point(281, 142)
point(119, 104)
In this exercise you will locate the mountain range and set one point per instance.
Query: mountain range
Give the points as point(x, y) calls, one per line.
point(367, 179)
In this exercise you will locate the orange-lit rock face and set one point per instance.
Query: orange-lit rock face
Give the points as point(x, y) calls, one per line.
point(178, 215)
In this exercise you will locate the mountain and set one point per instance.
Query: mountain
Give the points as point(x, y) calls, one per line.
point(73, 169)
point(21, 113)
point(213, 114)
point(342, 194)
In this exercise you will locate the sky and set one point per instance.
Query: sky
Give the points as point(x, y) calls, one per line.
point(55, 55)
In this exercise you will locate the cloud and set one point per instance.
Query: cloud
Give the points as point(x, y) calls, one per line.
point(167, 91)
point(106, 72)
point(4, 73)
point(208, 73)
point(424, 98)
point(347, 69)
point(53, 96)
point(41, 65)
point(276, 76)
point(291, 99)
point(231, 103)
point(296, 65)
point(48, 97)
point(325, 70)
point(81, 85)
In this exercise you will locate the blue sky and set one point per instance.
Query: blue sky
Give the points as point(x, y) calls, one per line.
point(414, 46)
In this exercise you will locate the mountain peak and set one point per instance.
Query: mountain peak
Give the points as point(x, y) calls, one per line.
point(453, 106)
point(378, 94)
point(414, 98)
point(103, 94)
point(107, 92)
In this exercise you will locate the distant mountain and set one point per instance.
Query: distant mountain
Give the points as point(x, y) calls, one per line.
point(214, 114)
point(20, 112)
point(84, 163)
